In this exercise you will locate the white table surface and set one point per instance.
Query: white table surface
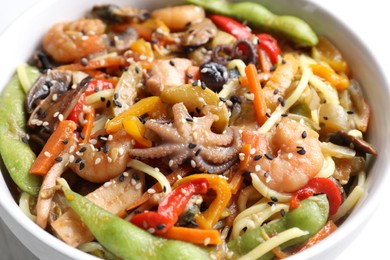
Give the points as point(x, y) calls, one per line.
point(370, 18)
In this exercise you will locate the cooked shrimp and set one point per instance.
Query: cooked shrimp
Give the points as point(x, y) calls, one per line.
point(178, 17)
point(67, 42)
point(104, 163)
point(290, 157)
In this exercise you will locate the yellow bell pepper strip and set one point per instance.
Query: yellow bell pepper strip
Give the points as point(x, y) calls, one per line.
point(151, 105)
point(259, 99)
point(340, 82)
point(146, 29)
point(194, 235)
point(53, 147)
point(208, 218)
point(142, 47)
point(327, 52)
point(134, 127)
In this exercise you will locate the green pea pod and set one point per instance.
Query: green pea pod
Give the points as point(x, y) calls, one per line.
point(257, 15)
point(310, 216)
point(125, 239)
point(17, 155)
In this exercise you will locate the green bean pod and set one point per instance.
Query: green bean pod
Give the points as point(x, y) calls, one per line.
point(126, 240)
point(257, 15)
point(17, 155)
point(310, 216)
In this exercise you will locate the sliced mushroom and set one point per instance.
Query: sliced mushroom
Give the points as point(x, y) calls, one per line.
point(115, 14)
point(344, 139)
point(51, 99)
point(199, 33)
point(123, 40)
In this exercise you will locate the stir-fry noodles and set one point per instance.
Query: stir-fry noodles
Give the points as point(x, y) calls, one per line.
point(194, 131)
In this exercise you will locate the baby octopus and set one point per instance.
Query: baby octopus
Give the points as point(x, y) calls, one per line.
point(190, 138)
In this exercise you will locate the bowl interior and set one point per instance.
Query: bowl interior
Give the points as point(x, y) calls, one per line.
point(19, 41)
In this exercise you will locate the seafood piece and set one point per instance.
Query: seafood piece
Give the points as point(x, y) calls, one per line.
point(115, 14)
point(106, 162)
point(167, 74)
point(178, 17)
point(191, 138)
point(68, 42)
point(289, 158)
point(199, 33)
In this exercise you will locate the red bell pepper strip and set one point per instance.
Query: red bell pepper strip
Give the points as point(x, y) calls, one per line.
point(231, 26)
point(319, 186)
point(93, 86)
point(170, 208)
point(270, 45)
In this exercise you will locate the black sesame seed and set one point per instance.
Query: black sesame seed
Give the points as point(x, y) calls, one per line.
point(189, 119)
point(284, 115)
point(160, 226)
point(246, 173)
point(97, 90)
point(281, 101)
point(198, 152)
point(269, 157)
point(274, 199)
point(189, 76)
point(83, 149)
point(266, 174)
point(304, 134)
point(102, 99)
point(222, 99)
point(350, 112)
point(235, 99)
point(271, 203)
point(195, 83)
point(301, 150)
point(203, 85)
point(165, 189)
point(267, 115)
point(78, 160)
point(121, 178)
point(282, 212)
point(325, 118)
point(41, 113)
point(108, 104)
point(276, 91)
point(135, 177)
point(198, 110)
point(191, 145)
point(137, 70)
point(283, 61)
point(116, 95)
point(84, 62)
point(24, 140)
point(257, 157)
point(172, 63)
point(82, 136)
point(117, 103)
point(105, 148)
point(58, 159)
point(82, 165)
point(273, 68)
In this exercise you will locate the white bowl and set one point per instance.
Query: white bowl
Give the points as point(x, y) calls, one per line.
point(18, 42)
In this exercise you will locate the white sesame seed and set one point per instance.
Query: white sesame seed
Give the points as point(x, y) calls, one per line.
point(257, 168)
point(241, 156)
point(133, 182)
point(253, 151)
point(151, 191)
point(170, 163)
point(193, 164)
point(151, 230)
point(56, 114)
point(97, 161)
point(109, 159)
point(121, 151)
point(206, 241)
point(204, 70)
point(110, 137)
point(138, 186)
point(45, 123)
point(54, 97)
point(93, 141)
point(107, 184)
point(126, 174)
point(71, 158)
point(61, 117)
point(289, 155)
point(47, 154)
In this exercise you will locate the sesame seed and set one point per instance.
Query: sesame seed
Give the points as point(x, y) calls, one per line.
point(350, 112)
point(281, 101)
point(189, 76)
point(116, 95)
point(325, 118)
point(257, 168)
point(203, 85)
point(193, 164)
point(58, 159)
point(61, 117)
point(82, 165)
point(274, 199)
point(160, 226)
point(207, 241)
point(284, 115)
point(78, 160)
point(268, 115)
point(151, 191)
point(151, 230)
point(65, 141)
point(276, 91)
point(198, 152)
point(105, 148)
point(204, 70)
point(47, 154)
point(165, 189)
point(138, 186)
point(304, 134)
point(269, 157)
point(84, 61)
point(82, 136)
point(301, 151)
point(135, 177)
point(83, 149)
point(222, 99)
point(108, 104)
point(107, 184)
point(172, 63)
point(266, 174)
point(282, 212)
point(24, 140)
point(191, 145)
point(257, 157)
point(117, 103)
point(121, 178)
point(102, 99)
point(271, 203)
point(195, 83)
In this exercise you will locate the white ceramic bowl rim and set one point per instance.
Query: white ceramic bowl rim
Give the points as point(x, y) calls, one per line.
point(10, 211)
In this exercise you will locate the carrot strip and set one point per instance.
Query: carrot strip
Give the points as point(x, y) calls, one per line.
point(193, 235)
point(53, 147)
point(95, 64)
point(87, 129)
point(245, 150)
point(255, 88)
point(235, 182)
point(340, 82)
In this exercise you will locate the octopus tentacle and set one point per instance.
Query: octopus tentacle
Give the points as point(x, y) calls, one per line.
point(168, 133)
point(157, 151)
point(204, 166)
point(180, 116)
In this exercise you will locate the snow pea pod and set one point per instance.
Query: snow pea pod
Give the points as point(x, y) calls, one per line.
point(310, 216)
point(125, 239)
point(16, 153)
point(257, 15)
